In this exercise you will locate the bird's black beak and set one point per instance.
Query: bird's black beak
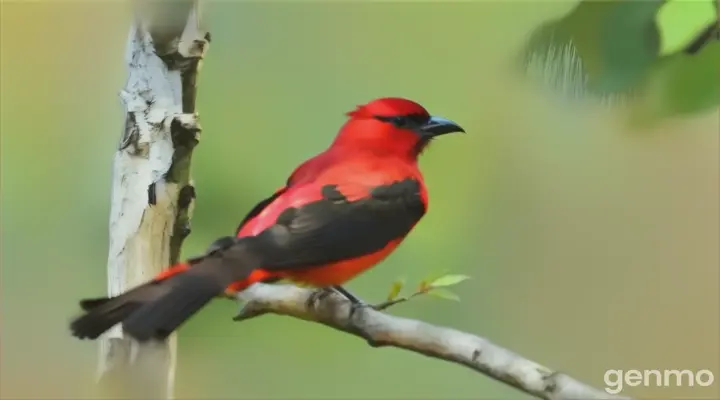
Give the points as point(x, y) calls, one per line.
point(437, 126)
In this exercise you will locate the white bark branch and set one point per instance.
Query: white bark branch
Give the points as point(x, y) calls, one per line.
point(151, 194)
point(380, 329)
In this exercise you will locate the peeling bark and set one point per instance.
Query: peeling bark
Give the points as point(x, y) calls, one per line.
point(152, 193)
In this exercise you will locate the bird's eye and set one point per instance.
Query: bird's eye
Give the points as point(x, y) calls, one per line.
point(400, 122)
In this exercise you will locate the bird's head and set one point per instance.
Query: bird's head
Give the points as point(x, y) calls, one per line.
point(393, 125)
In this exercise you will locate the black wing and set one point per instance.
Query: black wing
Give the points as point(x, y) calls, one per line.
point(335, 229)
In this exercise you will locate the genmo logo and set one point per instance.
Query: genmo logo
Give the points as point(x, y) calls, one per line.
point(617, 379)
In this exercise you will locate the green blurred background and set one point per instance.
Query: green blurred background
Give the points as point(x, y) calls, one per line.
point(593, 245)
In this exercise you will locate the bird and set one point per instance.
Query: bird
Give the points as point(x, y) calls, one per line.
point(339, 213)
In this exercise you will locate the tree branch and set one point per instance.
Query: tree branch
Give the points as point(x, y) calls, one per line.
point(152, 197)
point(380, 329)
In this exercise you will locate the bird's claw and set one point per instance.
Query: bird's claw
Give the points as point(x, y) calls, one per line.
point(317, 296)
point(356, 306)
point(356, 303)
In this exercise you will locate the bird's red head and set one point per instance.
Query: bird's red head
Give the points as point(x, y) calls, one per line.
point(392, 126)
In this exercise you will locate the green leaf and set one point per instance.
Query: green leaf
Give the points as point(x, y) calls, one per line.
point(433, 276)
point(681, 85)
point(395, 289)
point(680, 21)
point(425, 283)
point(444, 294)
point(629, 44)
point(692, 83)
point(448, 280)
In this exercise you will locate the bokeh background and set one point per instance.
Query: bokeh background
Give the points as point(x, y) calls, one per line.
point(592, 242)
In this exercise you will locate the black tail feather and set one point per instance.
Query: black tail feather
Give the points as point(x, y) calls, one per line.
point(155, 309)
point(159, 319)
point(92, 325)
point(102, 314)
point(89, 304)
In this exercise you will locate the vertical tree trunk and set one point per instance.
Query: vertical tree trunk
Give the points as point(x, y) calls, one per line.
point(152, 195)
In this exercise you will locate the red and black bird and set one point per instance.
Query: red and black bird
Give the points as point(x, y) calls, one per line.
point(339, 213)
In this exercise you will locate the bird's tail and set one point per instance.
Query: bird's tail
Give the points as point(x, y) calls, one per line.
point(155, 309)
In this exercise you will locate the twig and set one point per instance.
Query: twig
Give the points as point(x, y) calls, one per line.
point(152, 196)
point(387, 304)
point(380, 329)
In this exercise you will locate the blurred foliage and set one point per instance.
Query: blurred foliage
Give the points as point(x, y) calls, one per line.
point(631, 51)
point(682, 84)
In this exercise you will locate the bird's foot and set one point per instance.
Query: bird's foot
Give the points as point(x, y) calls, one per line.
point(355, 307)
point(356, 303)
point(318, 295)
